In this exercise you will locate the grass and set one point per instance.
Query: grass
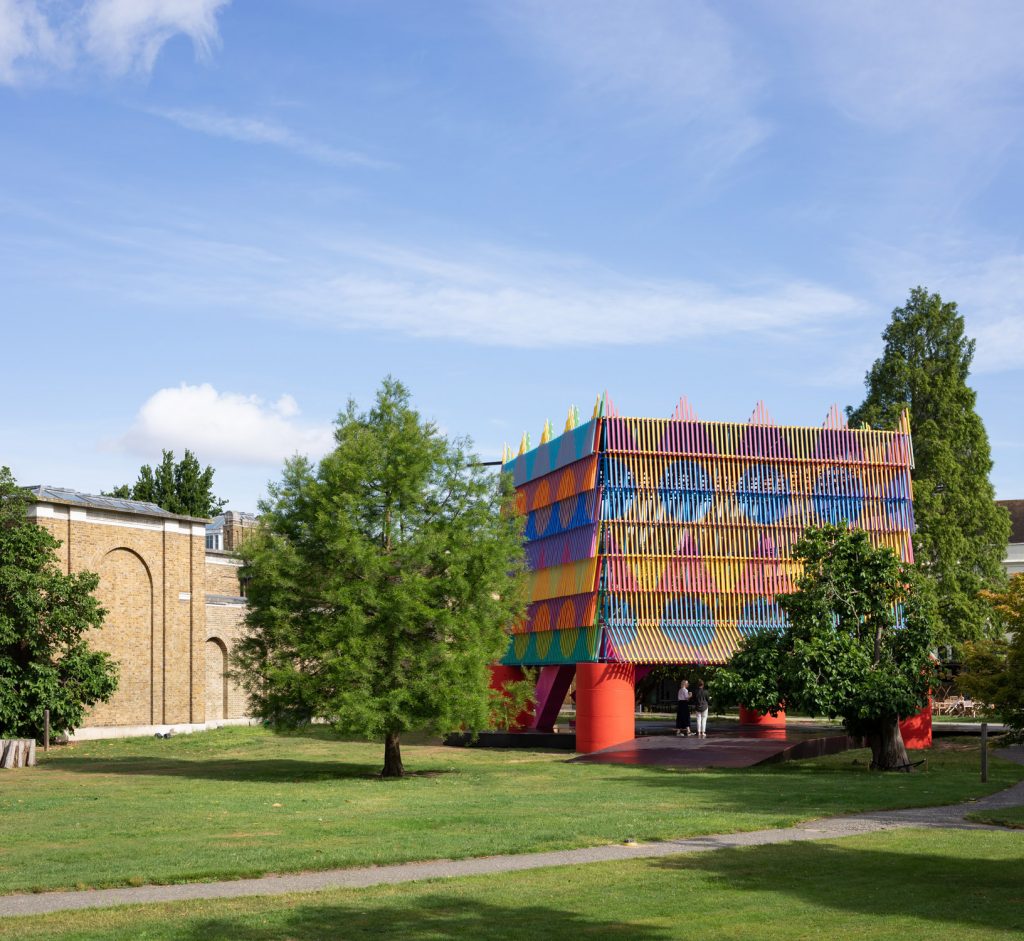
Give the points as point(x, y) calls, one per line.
point(240, 801)
point(915, 885)
point(1007, 817)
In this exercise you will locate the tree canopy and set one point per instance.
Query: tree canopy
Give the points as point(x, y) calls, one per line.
point(961, 531)
point(856, 645)
point(183, 487)
point(993, 668)
point(381, 582)
point(45, 662)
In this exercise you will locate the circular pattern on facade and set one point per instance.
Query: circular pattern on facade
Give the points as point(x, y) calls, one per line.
point(838, 495)
point(619, 488)
point(686, 491)
point(688, 621)
point(764, 494)
point(758, 615)
point(567, 641)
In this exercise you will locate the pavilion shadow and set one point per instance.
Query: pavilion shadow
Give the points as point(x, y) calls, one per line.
point(441, 916)
point(872, 882)
point(267, 770)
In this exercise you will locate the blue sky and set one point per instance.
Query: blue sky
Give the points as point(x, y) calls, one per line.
point(220, 220)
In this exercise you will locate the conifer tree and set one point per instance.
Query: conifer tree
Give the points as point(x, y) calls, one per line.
point(961, 532)
point(381, 582)
point(182, 487)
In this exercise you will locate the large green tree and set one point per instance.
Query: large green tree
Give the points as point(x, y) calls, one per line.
point(381, 582)
point(856, 645)
point(45, 662)
point(961, 532)
point(183, 487)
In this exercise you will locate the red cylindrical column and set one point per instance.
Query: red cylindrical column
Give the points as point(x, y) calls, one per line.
point(917, 729)
point(605, 705)
point(764, 720)
point(500, 675)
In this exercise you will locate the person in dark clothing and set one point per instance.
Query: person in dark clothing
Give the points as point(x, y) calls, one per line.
point(701, 703)
point(683, 709)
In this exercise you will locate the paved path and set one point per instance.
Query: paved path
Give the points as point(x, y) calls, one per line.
point(828, 828)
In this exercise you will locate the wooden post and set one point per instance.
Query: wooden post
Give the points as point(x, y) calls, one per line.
point(46, 730)
point(984, 752)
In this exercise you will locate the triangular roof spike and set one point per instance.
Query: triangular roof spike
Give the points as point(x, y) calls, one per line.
point(905, 421)
point(506, 453)
point(609, 406)
point(545, 432)
point(572, 419)
point(760, 415)
point(524, 444)
point(835, 420)
point(684, 410)
point(597, 407)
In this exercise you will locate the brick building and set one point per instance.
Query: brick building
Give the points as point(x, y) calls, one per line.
point(175, 609)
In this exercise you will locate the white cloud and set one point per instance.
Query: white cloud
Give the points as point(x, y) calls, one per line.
point(255, 131)
point(676, 61)
point(225, 426)
point(26, 37)
point(128, 35)
point(121, 35)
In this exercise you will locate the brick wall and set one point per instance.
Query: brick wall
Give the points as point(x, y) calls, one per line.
point(153, 584)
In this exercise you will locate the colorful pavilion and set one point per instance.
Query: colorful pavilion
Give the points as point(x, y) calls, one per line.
point(666, 540)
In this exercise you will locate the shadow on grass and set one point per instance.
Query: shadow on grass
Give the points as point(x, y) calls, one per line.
point(262, 770)
point(954, 889)
point(433, 918)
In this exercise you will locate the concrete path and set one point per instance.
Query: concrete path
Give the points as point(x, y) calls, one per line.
point(951, 816)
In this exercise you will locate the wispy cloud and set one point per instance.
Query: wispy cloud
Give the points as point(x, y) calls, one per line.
point(985, 280)
point(27, 40)
point(675, 61)
point(917, 62)
point(120, 35)
point(505, 299)
point(225, 426)
point(257, 131)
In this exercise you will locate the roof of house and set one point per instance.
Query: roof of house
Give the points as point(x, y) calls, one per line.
point(46, 494)
point(1016, 508)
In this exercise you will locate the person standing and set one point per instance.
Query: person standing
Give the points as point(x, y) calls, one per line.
point(683, 709)
point(701, 703)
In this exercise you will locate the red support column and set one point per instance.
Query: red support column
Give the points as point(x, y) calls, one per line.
point(605, 705)
point(764, 720)
point(502, 675)
point(917, 729)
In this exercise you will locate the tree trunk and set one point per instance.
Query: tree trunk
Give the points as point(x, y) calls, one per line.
point(888, 753)
point(393, 767)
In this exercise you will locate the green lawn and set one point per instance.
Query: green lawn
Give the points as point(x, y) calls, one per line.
point(915, 885)
point(241, 801)
point(1009, 817)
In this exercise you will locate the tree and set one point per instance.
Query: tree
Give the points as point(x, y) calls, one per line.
point(381, 582)
point(993, 668)
point(45, 662)
point(184, 487)
point(856, 644)
point(961, 532)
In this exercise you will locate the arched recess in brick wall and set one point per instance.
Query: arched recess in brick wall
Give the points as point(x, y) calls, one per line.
point(126, 591)
point(216, 679)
